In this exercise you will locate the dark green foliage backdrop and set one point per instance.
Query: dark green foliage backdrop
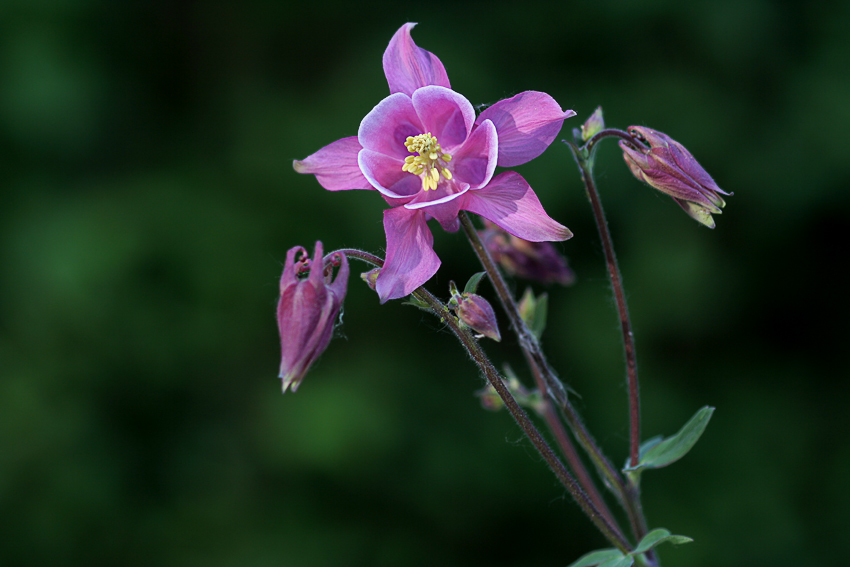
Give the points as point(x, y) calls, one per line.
point(148, 202)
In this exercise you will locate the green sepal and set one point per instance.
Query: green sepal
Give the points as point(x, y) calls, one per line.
point(659, 536)
point(598, 557)
point(657, 453)
point(472, 285)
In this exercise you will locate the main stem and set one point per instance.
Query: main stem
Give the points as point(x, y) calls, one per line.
point(611, 532)
point(531, 347)
point(631, 490)
point(622, 308)
point(550, 414)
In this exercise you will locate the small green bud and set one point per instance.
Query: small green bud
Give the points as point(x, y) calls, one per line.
point(371, 277)
point(592, 125)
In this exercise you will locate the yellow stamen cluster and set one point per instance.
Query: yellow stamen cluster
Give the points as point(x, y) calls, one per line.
point(426, 164)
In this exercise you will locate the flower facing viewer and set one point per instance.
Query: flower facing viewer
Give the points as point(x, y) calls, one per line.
point(307, 310)
point(665, 164)
point(423, 149)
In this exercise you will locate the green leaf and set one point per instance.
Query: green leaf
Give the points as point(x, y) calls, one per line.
point(625, 561)
point(649, 444)
point(472, 284)
point(674, 448)
point(656, 537)
point(597, 557)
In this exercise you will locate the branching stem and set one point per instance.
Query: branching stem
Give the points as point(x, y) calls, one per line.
point(611, 532)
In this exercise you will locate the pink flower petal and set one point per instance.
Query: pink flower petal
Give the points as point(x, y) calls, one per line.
point(447, 191)
point(527, 123)
point(411, 260)
point(509, 202)
point(442, 204)
point(385, 174)
point(446, 114)
point(409, 67)
point(387, 126)
point(335, 166)
point(475, 161)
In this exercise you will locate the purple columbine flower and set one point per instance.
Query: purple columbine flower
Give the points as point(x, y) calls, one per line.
point(307, 310)
point(665, 164)
point(428, 155)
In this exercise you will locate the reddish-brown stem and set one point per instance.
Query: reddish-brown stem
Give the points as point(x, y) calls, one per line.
point(584, 159)
point(567, 448)
point(537, 362)
point(611, 531)
point(623, 311)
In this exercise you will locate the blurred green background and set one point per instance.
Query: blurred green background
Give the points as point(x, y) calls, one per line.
point(148, 200)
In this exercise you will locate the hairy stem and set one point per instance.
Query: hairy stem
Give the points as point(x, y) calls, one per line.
point(534, 355)
point(611, 532)
point(583, 158)
point(622, 310)
point(567, 448)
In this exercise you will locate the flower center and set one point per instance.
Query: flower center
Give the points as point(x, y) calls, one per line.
point(426, 164)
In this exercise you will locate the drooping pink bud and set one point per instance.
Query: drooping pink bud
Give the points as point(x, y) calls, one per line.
point(476, 313)
point(537, 261)
point(307, 310)
point(665, 164)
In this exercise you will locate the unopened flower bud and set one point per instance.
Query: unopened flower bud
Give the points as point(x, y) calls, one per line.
point(307, 310)
point(475, 312)
point(665, 164)
point(592, 125)
point(490, 399)
point(537, 261)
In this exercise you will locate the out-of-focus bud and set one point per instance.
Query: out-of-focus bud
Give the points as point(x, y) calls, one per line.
point(307, 310)
point(537, 261)
point(533, 311)
point(592, 125)
point(476, 313)
point(530, 399)
point(371, 277)
point(665, 164)
point(489, 398)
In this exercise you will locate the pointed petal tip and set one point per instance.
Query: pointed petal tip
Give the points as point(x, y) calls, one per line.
point(290, 382)
point(408, 67)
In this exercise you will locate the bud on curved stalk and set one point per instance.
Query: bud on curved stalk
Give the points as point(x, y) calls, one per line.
point(307, 310)
point(536, 261)
point(665, 164)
